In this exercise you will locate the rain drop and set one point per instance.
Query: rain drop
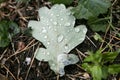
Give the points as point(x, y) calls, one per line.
point(60, 38)
point(48, 42)
point(77, 29)
point(55, 29)
point(60, 24)
point(44, 53)
point(53, 64)
point(66, 46)
point(45, 37)
point(48, 53)
point(55, 23)
point(51, 14)
point(68, 31)
point(51, 20)
point(49, 27)
point(44, 30)
point(67, 24)
point(58, 15)
point(61, 19)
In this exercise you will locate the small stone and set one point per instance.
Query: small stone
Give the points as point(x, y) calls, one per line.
point(28, 60)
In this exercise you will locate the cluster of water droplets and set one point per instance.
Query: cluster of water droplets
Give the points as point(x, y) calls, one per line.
point(56, 31)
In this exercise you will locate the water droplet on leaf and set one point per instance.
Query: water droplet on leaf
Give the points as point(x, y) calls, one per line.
point(58, 15)
point(44, 53)
point(51, 20)
point(51, 14)
point(61, 19)
point(45, 36)
point(44, 30)
point(49, 27)
point(60, 38)
point(48, 42)
point(55, 23)
point(67, 24)
point(48, 53)
point(77, 29)
point(66, 46)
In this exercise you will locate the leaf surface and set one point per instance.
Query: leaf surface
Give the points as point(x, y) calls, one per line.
point(56, 31)
point(90, 8)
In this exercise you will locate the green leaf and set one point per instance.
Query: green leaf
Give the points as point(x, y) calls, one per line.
point(97, 37)
point(96, 72)
point(4, 34)
point(109, 56)
point(66, 2)
point(27, 31)
point(94, 57)
point(114, 69)
point(13, 28)
point(7, 29)
point(2, 1)
point(104, 72)
point(86, 66)
point(90, 8)
point(98, 24)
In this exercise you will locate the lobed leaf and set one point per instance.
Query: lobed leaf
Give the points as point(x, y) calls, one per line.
point(57, 33)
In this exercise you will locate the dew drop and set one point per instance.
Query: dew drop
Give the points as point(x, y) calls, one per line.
point(67, 24)
point(84, 31)
point(51, 14)
point(51, 20)
point(48, 53)
point(53, 64)
point(48, 42)
point(61, 19)
point(55, 23)
point(68, 31)
point(45, 37)
point(44, 30)
point(77, 29)
point(66, 47)
point(44, 53)
point(58, 15)
point(55, 29)
point(60, 38)
point(60, 24)
point(49, 27)
point(41, 17)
